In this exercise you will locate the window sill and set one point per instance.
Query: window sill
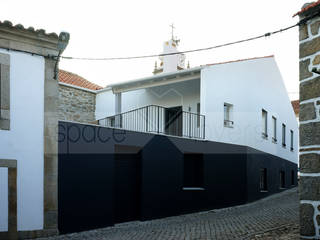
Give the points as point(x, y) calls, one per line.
point(263, 191)
point(282, 188)
point(228, 126)
point(193, 189)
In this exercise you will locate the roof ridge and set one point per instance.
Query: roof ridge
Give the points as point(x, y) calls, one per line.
point(239, 60)
point(77, 80)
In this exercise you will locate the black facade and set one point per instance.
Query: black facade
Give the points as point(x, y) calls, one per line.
point(107, 176)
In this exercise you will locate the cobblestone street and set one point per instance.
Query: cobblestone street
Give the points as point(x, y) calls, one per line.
point(275, 217)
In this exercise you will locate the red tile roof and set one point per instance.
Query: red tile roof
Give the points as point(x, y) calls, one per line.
point(296, 107)
point(74, 79)
point(239, 60)
point(308, 7)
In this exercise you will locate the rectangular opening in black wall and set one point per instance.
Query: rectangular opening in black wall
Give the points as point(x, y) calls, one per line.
point(263, 180)
point(193, 171)
point(127, 186)
point(282, 179)
point(292, 177)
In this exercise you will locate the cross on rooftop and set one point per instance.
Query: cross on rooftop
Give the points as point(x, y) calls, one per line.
point(172, 28)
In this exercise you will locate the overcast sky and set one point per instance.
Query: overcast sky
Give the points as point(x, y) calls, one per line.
point(129, 28)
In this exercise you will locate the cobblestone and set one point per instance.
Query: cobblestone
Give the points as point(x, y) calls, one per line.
point(275, 217)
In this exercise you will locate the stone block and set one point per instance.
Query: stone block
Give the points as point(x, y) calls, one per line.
point(310, 89)
point(303, 32)
point(304, 69)
point(51, 193)
point(307, 227)
point(316, 60)
point(310, 47)
point(315, 27)
point(307, 112)
point(5, 87)
point(4, 124)
point(310, 163)
point(310, 134)
point(4, 59)
point(309, 188)
point(51, 219)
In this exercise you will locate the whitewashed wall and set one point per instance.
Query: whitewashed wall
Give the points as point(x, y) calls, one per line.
point(24, 141)
point(250, 86)
point(185, 94)
point(3, 199)
point(105, 104)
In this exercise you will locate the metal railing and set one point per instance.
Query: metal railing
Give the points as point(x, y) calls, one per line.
point(157, 119)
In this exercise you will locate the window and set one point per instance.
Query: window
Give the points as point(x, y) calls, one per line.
point(198, 116)
point(263, 180)
point(282, 179)
point(193, 171)
point(4, 91)
point(228, 115)
point(264, 124)
point(274, 129)
point(283, 135)
point(291, 140)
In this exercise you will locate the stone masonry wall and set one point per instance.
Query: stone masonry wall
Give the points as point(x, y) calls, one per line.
point(76, 104)
point(309, 186)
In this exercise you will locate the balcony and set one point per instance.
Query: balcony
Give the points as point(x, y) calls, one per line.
point(160, 120)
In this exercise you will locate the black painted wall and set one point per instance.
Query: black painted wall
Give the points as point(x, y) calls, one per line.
point(93, 193)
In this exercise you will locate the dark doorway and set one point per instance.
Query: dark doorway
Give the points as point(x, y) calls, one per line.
point(173, 121)
point(127, 183)
point(282, 179)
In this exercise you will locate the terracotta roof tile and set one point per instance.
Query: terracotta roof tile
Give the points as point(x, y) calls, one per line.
point(74, 79)
point(239, 60)
point(308, 7)
point(296, 107)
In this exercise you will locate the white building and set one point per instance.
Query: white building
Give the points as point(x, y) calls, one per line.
point(28, 120)
point(241, 102)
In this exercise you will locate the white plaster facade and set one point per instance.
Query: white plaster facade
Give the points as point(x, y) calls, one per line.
point(24, 141)
point(249, 86)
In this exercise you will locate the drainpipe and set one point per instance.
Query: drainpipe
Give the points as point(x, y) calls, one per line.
point(62, 44)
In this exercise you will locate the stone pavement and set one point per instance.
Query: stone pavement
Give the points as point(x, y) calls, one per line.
point(275, 217)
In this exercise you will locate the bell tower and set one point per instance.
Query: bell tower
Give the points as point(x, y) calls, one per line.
point(170, 60)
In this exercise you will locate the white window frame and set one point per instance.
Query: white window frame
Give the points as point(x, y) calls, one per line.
point(228, 115)
point(274, 129)
point(291, 139)
point(284, 135)
point(264, 116)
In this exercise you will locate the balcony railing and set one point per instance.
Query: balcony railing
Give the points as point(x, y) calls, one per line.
point(157, 119)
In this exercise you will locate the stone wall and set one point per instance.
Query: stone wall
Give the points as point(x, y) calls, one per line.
point(76, 104)
point(309, 185)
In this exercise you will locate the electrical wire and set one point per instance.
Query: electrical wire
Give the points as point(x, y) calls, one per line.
point(182, 52)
